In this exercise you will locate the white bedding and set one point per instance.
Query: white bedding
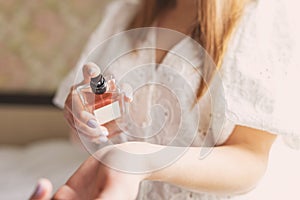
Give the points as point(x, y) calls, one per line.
point(21, 167)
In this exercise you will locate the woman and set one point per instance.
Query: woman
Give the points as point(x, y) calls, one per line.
point(245, 40)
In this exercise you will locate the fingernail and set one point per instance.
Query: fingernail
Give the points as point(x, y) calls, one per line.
point(92, 123)
point(92, 71)
point(103, 139)
point(38, 191)
point(104, 131)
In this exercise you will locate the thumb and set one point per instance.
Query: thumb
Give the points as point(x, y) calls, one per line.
point(42, 191)
point(90, 70)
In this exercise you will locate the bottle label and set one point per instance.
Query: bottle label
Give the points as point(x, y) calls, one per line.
point(108, 113)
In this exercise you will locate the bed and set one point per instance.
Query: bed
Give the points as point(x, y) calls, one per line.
point(34, 143)
point(21, 167)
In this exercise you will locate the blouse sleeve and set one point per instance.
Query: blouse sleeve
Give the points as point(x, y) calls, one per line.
point(108, 26)
point(259, 72)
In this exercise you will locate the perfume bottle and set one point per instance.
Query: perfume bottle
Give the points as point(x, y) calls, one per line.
point(103, 98)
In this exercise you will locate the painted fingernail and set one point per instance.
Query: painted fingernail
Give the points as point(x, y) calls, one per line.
point(104, 131)
point(38, 191)
point(92, 123)
point(103, 139)
point(92, 71)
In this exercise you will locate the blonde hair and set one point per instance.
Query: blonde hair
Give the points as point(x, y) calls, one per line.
point(216, 22)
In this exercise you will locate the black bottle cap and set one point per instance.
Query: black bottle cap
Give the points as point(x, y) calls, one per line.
point(98, 84)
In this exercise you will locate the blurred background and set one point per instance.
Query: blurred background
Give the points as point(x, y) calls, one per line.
point(40, 41)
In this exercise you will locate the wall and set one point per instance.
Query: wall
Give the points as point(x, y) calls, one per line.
point(41, 40)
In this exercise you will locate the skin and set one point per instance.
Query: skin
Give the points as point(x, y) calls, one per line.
point(233, 168)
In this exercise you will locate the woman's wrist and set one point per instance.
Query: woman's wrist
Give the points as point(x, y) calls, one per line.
point(130, 157)
point(146, 163)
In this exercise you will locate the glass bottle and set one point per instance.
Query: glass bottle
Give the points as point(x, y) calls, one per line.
point(103, 98)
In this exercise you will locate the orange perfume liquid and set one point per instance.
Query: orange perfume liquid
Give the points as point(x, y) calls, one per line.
point(103, 98)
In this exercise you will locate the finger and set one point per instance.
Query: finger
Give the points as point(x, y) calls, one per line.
point(87, 123)
point(88, 179)
point(66, 192)
point(113, 129)
point(112, 84)
point(83, 122)
point(82, 131)
point(100, 140)
point(97, 140)
point(69, 117)
point(74, 104)
point(72, 107)
point(42, 191)
point(128, 90)
point(96, 135)
point(89, 71)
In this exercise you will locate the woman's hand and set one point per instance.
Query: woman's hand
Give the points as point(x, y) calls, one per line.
point(94, 180)
point(84, 122)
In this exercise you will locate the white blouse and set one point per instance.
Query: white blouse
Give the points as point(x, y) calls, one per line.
point(257, 79)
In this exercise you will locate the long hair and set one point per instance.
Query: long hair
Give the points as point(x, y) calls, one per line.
point(216, 21)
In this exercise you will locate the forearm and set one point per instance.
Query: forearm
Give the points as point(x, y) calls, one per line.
point(227, 170)
point(232, 168)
